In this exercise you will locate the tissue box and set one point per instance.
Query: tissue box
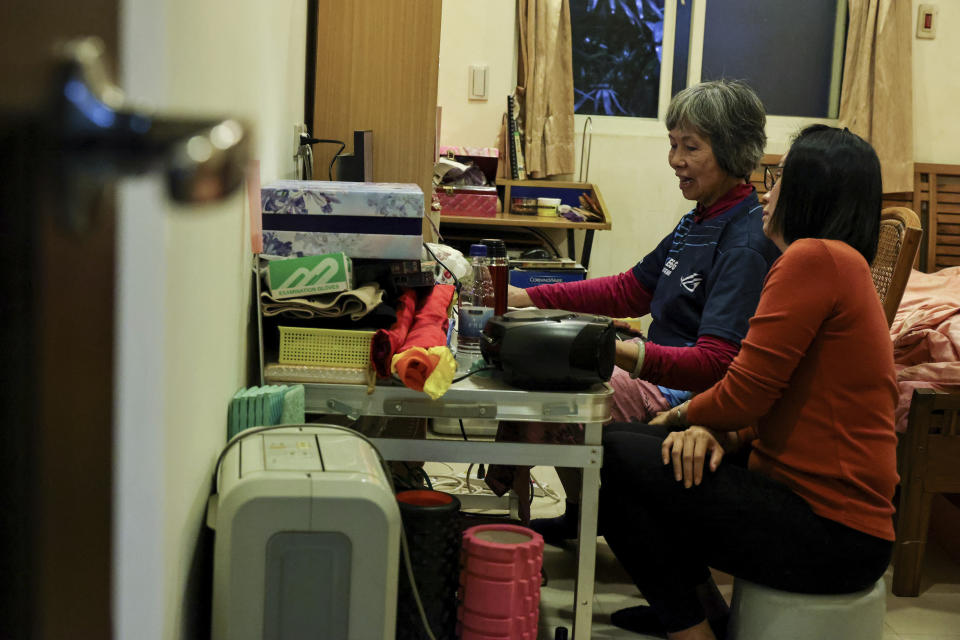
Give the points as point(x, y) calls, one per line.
point(468, 201)
point(361, 219)
point(310, 275)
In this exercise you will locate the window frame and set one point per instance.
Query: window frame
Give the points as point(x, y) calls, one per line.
point(780, 129)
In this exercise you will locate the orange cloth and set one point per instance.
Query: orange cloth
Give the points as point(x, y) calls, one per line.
point(815, 373)
point(414, 366)
point(428, 370)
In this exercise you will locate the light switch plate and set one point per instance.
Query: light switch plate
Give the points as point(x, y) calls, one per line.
point(927, 21)
point(477, 82)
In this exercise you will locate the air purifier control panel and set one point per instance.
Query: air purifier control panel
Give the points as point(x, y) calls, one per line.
point(284, 452)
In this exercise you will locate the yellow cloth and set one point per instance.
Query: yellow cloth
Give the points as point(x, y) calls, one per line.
point(428, 370)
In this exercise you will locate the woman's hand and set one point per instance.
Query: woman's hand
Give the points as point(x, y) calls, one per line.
point(688, 451)
point(626, 328)
point(662, 419)
point(672, 418)
point(517, 297)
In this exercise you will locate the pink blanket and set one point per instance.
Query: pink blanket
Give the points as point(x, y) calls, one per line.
point(926, 336)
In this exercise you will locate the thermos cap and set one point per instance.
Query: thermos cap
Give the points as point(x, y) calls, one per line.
point(496, 248)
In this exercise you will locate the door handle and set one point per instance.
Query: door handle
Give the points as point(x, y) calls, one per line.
point(100, 136)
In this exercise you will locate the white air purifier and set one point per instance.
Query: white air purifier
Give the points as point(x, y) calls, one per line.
point(307, 538)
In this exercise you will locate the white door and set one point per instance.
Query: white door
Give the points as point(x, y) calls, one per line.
point(124, 313)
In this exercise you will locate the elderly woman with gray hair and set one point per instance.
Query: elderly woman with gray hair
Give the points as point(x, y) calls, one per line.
point(700, 284)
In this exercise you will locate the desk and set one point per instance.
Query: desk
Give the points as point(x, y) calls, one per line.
point(489, 397)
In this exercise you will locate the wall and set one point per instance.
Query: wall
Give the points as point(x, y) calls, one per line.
point(475, 33)
point(628, 160)
point(243, 59)
point(936, 88)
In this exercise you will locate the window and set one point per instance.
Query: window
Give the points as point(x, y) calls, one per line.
point(786, 50)
point(617, 56)
point(790, 52)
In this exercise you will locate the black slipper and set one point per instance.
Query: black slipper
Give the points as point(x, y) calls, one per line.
point(639, 619)
point(556, 531)
point(643, 619)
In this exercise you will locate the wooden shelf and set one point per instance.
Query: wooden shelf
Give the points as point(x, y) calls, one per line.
point(507, 186)
point(538, 223)
point(552, 184)
point(515, 220)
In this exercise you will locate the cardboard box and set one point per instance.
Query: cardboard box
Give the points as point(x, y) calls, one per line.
point(524, 278)
point(361, 219)
point(310, 275)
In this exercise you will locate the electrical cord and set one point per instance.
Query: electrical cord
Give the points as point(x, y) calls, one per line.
point(547, 491)
point(404, 547)
point(307, 140)
point(435, 228)
point(471, 372)
point(456, 281)
point(397, 378)
point(304, 158)
point(426, 478)
point(543, 236)
point(481, 472)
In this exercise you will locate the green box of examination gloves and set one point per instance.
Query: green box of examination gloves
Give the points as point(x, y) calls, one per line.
point(309, 275)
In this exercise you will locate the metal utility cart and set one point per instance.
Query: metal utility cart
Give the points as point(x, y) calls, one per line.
point(482, 396)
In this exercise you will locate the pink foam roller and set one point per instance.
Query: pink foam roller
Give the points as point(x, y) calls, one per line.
point(500, 583)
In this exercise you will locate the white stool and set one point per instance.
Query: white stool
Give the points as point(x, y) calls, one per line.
point(762, 613)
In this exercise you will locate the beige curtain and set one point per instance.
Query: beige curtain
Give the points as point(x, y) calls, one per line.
point(876, 100)
point(546, 74)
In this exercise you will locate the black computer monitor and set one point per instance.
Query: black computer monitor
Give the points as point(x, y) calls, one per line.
point(357, 166)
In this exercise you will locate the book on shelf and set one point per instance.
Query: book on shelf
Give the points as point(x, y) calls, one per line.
point(543, 263)
point(517, 168)
point(512, 138)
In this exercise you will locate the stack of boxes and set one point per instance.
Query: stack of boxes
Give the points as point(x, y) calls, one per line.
point(322, 238)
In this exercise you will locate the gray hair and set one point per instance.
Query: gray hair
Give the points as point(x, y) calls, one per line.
point(730, 115)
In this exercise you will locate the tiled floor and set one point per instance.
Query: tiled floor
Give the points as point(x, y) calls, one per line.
point(934, 615)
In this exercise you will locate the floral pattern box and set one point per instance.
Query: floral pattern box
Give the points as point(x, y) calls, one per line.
point(362, 219)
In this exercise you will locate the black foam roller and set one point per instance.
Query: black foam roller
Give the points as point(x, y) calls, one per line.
point(431, 521)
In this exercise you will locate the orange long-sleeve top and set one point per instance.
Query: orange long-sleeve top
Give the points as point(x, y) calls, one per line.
point(815, 376)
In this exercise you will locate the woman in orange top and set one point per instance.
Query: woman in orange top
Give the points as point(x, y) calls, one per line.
point(814, 381)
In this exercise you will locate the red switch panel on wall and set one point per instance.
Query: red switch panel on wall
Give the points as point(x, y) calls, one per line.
point(927, 21)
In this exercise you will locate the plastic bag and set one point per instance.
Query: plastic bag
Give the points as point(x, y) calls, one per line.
point(451, 265)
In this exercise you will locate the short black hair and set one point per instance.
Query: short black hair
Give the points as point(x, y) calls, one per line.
point(830, 188)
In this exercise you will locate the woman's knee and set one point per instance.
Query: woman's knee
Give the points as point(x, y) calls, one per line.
point(624, 450)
